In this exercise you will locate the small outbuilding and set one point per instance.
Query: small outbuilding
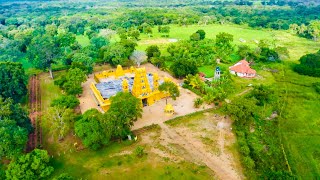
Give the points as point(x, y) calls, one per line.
point(242, 69)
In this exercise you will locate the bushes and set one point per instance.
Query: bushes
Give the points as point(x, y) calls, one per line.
point(198, 102)
point(139, 151)
point(309, 65)
point(66, 101)
point(258, 139)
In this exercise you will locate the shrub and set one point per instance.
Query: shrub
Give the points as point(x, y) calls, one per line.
point(198, 102)
point(139, 151)
point(66, 101)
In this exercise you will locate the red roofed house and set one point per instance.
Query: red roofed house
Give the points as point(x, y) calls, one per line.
point(242, 69)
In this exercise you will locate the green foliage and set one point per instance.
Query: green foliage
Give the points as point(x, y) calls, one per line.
point(13, 138)
point(309, 65)
point(124, 111)
point(60, 120)
point(64, 176)
point(201, 52)
point(43, 51)
point(201, 33)
point(197, 102)
point(317, 87)
point(119, 53)
point(195, 37)
point(171, 88)
point(85, 60)
point(139, 151)
point(12, 81)
point(67, 101)
point(264, 95)
point(223, 46)
point(34, 165)
point(98, 42)
point(15, 112)
point(71, 83)
point(93, 129)
point(245, 52)
point(134, 34)
point(182, 67)
point(268, 55)
point(153, 51)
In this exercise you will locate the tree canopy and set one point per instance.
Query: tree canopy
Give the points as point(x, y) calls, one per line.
point(183, 67)
point(124, 111)
point(94, 131)
point(13, 138)
point(13, 81)
point(34, 165)
point(309, 65)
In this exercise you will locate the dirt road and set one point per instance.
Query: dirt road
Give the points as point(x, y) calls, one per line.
point(196, 151)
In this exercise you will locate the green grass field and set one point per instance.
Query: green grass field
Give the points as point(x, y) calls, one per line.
point(300, 126)
point(297, 46)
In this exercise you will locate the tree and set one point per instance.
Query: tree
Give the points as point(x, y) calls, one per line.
point(309, 65)
point(263, 94)
point(223, 46)
point(267, 55)
point(51, 29)
point(138, 57)
point(43, 51)
point(202, 34)
point(34, 165)
point(134, 33)
point(74, 78)
point(84, 59)
point(195, 37)
point(170, 88)
point(13, 81)
point(164, 30)
point(99, 42)
point(118, 53)
point(153, 51)
point(13, 138)
point(12, 111)
point(242, 111)
point(183, 67)
point(66, 101)
point(60, 120)
point(124, 111)
point(94, 129)
point(244, 51)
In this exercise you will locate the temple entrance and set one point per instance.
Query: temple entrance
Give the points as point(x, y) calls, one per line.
point(144, 102)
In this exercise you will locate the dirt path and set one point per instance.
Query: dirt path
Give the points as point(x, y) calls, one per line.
point(35, 106)
point(245, 91)
point(197, 152)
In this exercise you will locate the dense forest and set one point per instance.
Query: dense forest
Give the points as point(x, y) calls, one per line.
point(72, 38)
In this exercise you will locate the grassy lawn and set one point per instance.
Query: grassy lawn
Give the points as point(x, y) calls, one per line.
point(296, 46)
point(207, 70)
point(300, 124)
point(83, 40)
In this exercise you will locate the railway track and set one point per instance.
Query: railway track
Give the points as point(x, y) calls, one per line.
point(35, 138)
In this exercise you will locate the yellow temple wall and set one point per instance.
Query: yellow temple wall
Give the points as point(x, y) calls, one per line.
point(152, 97)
